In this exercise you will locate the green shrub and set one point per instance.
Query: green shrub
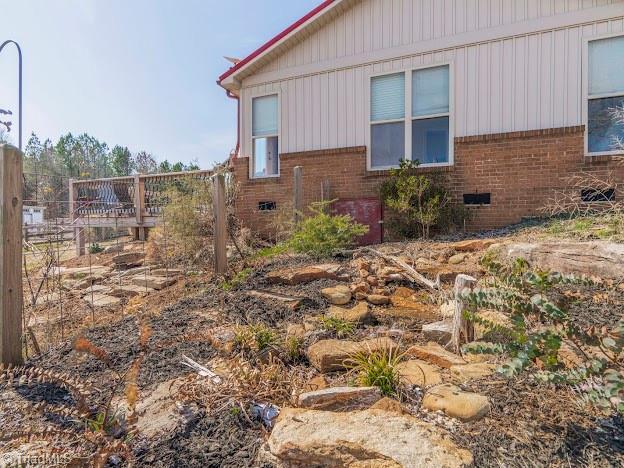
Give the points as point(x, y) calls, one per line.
point(377, 369)
point(524, 295)
point(95, 248)
point(256, 337)
point(322, 234)
point(418, 202)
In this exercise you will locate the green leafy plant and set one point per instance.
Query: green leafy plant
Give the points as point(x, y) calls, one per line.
point(95, 248)
point(524, 294)
point(418, 202)
point(377, 369)
point(337, 327)
point(322, 234)
point(294, 348)
point(237, 280)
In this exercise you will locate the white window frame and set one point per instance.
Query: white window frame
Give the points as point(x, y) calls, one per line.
point(408, 118)
point(252, 164)
point(587, 97)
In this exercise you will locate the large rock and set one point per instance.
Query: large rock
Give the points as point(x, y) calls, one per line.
point(332, 355)
point(473, 245)
point(153, 282)
point(440, 332)
point(407, 305)
point(129, 290)
point(290, 301)
point(340, 398)
point(337, 295)
point(602, 259)
point(307, 274)
point(369, 438)
point(358, 314)
point(436, 354)
point(465, 406)
point(101, 300)
point(476, 370)
point(415, 372)
point(129, 259)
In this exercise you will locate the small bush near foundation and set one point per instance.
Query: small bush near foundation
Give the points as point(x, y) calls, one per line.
point(377, 369)
point(418, 203)
point(95, 249)
point(322, 234)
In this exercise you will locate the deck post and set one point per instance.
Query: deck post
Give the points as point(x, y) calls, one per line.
point(298, 193)
point(139, 206)
point(79, 233)
point(10, 255)
point(220, 229)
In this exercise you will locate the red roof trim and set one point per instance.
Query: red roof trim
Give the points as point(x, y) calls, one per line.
point(255, 54)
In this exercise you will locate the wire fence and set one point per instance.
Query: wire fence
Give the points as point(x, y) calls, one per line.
point(64, 292)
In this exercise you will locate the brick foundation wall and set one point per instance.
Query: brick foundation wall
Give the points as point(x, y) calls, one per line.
point(521, 171)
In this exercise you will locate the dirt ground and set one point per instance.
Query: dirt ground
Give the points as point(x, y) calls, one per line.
point(530, 424)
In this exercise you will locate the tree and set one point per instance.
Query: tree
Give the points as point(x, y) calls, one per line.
point(144, 163)
point(122, 163)
point(4, 135)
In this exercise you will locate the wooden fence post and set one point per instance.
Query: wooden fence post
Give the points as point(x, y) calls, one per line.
point(298, 193)
point(73, 216)
point(220, 229)
point(10, 255)
point(461, 326)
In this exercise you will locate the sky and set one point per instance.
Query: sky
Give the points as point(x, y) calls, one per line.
point(138, 73)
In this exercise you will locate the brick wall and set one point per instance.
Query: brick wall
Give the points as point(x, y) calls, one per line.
point(520, 170)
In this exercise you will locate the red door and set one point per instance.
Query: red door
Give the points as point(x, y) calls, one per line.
point(367, 211)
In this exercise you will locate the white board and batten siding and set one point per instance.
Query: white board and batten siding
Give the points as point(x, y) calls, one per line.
point(517, 65)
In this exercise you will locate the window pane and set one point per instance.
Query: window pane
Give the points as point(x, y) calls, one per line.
point(430, 91)
point(388, 97)
point(387, 144)
point(266, 157)
point(264, 116)
point(603, 127)
point(430, 140)
point(606, 65)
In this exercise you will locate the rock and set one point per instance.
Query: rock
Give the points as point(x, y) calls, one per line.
point(405, 305)
point(129, 290)
point(447, 310)
point(81, 272)
point(389, 405)
point(419, 373)
point(97, 289)
point(358, 314)
point(340, 398)
point(361, 264)
point(473, 245)
point(129, 259)
point(296, 330)
point(338, 295)
point(457, 259)
point(360, 287)
point(372, 280)
point(440, 332)
point(114, 249)
point(473, 371)
point(465, 406)
point(330, 355)
point(377, 299)
point(101, 300)
point(359, 296)
point(290, 301)
point(88, 281)
point(316, 383)
point(369, 438)
point(153, 282)
point(166, 272)
point(436, 354)
point(600, 258)
point(493, 316)
point(307, 274)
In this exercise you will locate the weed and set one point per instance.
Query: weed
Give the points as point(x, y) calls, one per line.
point(294, 348)
point(256, 338)
point(237, 280)
point(377, 369)
point(337, 326)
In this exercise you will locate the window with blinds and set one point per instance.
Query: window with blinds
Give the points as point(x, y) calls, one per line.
point(265, 136)
point(605, 104)
point(410, 117)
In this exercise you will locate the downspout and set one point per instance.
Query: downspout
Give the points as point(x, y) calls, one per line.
point(238, 110)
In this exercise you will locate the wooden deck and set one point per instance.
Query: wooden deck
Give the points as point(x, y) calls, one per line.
point(133, 202)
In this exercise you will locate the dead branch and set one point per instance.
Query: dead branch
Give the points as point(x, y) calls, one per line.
point(411, 273)
point(461, 326)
